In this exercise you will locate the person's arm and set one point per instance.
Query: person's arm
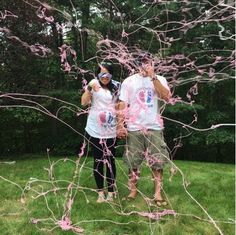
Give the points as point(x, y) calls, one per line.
point(161, 90)
point(87, 96)
point(121, 129)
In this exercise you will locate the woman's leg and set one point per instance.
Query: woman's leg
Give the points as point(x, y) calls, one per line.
point(98, 162)
point(110, 164)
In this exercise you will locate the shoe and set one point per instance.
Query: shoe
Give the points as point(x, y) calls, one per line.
point(161, 202)
point(101, 197)
point(110, 196)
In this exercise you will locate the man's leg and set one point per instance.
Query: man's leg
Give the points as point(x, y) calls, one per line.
point(157, 158)
point(132, 183)
point(158, 183)
point(157, 177)
point(133, 158)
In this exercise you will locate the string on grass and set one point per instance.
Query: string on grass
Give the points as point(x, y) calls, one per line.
point(179, 69)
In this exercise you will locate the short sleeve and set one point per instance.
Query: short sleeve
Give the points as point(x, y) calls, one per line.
point(124, 92)
point(91, 83)
point(163, 82)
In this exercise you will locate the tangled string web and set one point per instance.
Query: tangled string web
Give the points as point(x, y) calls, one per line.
point(62, 197)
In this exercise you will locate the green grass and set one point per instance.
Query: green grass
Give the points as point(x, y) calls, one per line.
point(212, 185)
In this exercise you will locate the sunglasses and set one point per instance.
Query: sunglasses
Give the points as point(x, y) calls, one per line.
point(106, 63)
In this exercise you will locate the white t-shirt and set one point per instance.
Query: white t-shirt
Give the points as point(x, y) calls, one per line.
point(139, 94)
point(101, 122)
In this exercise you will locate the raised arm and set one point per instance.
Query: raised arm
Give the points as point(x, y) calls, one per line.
point(86, 97)
point(161, 90)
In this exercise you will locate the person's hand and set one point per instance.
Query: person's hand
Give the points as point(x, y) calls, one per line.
point(150, 70)
point(121, 132)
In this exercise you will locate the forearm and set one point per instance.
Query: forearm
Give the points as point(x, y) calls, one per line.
point(86, 98)
point(121, 130)
point(120, 109)
point(162, 91)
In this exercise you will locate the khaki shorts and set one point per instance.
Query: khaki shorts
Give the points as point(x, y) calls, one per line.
point(149, 146)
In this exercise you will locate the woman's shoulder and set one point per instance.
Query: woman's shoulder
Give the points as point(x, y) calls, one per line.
point(93, 81)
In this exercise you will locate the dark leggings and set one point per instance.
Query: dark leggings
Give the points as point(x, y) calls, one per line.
point(104, 154)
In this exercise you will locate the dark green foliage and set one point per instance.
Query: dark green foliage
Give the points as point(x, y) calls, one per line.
point(25, 130)
point(212, 106)
point(28, 130)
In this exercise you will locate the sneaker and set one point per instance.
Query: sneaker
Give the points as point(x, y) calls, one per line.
point(110, 196)
point(101, 197)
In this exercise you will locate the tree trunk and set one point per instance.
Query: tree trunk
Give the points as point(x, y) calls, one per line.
point(58, 42)
point(85, 8)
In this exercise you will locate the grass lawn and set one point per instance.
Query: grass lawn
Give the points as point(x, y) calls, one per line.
point(32, 200)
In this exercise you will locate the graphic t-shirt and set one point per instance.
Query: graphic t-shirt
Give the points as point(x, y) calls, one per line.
point(140, 95)
point(101, 122)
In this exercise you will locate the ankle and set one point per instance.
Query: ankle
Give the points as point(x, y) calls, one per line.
point(101, 197)
point(133, 193)
point(158, 196)
point(110, 196)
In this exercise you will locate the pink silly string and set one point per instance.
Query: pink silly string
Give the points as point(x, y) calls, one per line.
point(176, 67)
point(135, 175)
point(65, 52)
point(160, 120)
point(151, 159)
point(69, 204)
point(5, 30)
point(5, 14)
point(36, 49)
point(82, 149)
point(65, 225)
point(84, 84)
point(41, 14)
point(157, 215)
point(40, 50)
point(35, 221)
point(106, 151)
point(192, 91)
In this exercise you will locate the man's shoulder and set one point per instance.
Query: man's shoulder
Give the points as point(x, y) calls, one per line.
point(160, 77)
point(131, 77)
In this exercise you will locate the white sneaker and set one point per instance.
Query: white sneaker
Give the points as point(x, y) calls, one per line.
point(101, 197)
point(110, 196)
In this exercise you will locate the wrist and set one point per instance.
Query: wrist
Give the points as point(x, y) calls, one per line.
point(154, 78)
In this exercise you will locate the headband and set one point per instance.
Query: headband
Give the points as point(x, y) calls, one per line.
point(104, 75)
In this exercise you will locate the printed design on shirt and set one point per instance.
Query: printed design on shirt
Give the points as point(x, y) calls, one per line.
point(145, 97)
point(106, 119)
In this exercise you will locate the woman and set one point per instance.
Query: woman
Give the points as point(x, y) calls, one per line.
point(102, 94)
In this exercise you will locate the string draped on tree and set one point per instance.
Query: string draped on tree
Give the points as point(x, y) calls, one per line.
point(190, 43)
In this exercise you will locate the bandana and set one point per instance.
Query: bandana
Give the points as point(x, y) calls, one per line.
point(104, 75)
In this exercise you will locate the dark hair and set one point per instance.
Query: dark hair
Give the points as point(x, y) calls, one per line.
point(112, 86)
point(106, 65)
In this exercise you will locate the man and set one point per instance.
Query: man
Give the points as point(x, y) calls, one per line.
point(139, 120)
